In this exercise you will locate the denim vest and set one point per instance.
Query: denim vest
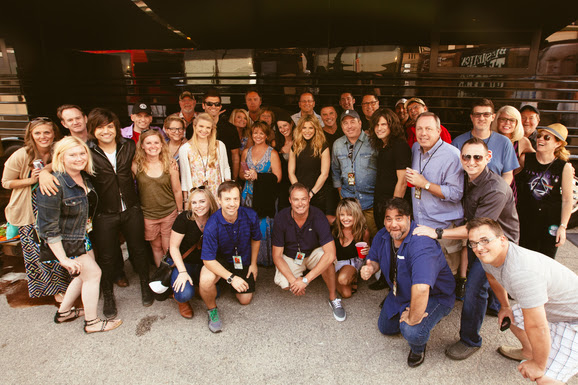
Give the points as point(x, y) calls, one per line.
point(363, 163)
point(63, 216)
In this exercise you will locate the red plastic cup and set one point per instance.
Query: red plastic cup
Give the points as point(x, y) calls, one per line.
point(360, 246)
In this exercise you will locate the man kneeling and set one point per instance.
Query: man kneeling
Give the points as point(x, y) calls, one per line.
point(422, 284)
point(302, 241)
point(230, 246)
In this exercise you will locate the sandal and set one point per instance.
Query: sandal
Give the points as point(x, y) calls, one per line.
point(107, 325)
point(67, 316)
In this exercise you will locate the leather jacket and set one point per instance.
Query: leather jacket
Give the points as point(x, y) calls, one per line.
point(111, 186)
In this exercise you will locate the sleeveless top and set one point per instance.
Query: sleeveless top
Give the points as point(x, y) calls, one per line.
point(540, 189)
point(156, 195)
point(262, 166)
point(345, 252)
point(308, 166)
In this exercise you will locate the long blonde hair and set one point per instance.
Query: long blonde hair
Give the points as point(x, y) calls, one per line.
point(140, 157)
point(350, 206)
point(317, 141)
point(247, 130)
point(212, 149)
point(518, 129)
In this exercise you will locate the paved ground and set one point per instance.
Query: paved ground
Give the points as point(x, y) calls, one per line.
point(278, 339)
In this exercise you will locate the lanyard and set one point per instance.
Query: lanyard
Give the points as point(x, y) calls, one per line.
point(430, 158)
point(393, 264)
point(350, 154)
point(234, 239)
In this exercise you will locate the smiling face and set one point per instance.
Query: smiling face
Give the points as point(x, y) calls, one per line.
point(253, 101)
point(74, 120)
point(306, 104)
point(494, 252)
point(482, 117)
point(329, 116)
point(507, 125)
point(203, 129)
point(212, 106)
point(240, 120)
point(369, 105)
point(346, 218)
point(259, 136)
point(397, 225)
point(187, 105)
point(175, 131)
point(230, 202)
point(43, 136)
point(299, 201)
point(427, 133)
point(105, 134)
point(474, 159)
point(199, 204)
point(75, 159)
point(142, 120)
point(382, 130)
point(415, 109)
point(401, 112)
point(351, 128)
point(152, 145)
point(546, 142)
point(530, 121)
point(308, 130)
point(346, 101)
point(284, 128)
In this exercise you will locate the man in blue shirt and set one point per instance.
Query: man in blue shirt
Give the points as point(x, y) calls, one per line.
point(422, 285)
point(504, 160)
point(302, 241)
point(231, 242)
point(437, 180)
point(354, 166)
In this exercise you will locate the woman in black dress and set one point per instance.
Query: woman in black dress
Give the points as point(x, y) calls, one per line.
point(394, 155)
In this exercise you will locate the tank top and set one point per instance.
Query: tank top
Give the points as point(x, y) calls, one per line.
point(156, 195)
point(345, 252)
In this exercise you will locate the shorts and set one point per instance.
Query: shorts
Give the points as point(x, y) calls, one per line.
point(563, 359)
point(163, 226)
point(355, 262)
point(243, 274)
point(297, 270)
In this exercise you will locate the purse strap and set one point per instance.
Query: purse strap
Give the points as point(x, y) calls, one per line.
point(189, 251)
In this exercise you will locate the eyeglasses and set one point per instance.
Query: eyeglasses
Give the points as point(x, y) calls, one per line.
point(504, 120)
point(176, 129)
point(545, 136)
point(468, 157)
point(369, 103)
point(483, 242)
point(211, 104)
point(478, 115)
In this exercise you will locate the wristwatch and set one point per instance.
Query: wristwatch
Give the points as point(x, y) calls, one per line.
point(305, 281)
point(230, 279)
point(427, 186)
point(439, 232)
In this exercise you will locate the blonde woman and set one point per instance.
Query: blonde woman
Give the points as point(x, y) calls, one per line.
point(159, 187)
point(348, 229)
point(545, 192)
point(64, 223)
point(242, 122)
point(508, 122)
point(309, 160)
point(203, 159)
point(21, 176)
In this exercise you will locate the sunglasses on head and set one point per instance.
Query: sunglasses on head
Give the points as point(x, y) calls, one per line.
point(202, 187)
point(42, 119)
point(211, 104)
point(467, 157)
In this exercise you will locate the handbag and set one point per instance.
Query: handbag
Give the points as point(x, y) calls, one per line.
point(161, 278)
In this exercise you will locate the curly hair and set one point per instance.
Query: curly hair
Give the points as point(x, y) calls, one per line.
point(317, 141)
point(140, 157)
point(395, 128)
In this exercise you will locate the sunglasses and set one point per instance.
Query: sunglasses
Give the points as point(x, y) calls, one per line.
point(211, 104)
point(545, 136)
point(350, 152)
point(41, 119)
point(202, 187)
point(467, 157)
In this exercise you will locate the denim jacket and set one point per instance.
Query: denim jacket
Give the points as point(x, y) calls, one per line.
point(63, 216)
point(364, 166)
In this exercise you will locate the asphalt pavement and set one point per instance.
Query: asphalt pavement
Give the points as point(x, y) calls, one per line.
point(277, 339)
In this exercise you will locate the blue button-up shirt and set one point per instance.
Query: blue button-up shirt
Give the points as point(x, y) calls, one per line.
point(220, 237)
point(420, 260)
point(363, 163)
point(440, 165)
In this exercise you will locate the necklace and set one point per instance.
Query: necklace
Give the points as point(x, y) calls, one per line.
point(205, 165)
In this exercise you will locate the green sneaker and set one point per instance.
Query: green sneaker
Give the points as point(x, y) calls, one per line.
point(214, 322)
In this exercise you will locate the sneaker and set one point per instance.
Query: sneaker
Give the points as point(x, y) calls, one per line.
point(214, 322)
point(460, 351)
point(512, 353)
point(338, 310)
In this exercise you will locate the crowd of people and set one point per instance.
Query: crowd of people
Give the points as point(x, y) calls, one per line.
point(382, 194)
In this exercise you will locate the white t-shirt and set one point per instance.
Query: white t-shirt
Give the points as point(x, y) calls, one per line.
point(534, 279)
point(112, 159)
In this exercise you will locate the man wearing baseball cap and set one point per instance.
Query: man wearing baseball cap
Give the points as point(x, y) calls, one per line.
point(415, 107)
point(142, 118)
point(187, 102)
point(530, 121)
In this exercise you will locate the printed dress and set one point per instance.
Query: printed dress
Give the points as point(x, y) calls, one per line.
point(204, 171)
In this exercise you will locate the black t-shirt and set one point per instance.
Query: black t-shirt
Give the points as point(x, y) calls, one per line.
point(331, 138)
point(227, 133)
point(188, 227)
point(395, 156)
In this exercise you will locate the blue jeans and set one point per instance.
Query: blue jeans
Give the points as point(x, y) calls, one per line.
point(478, 295)
point(188, 291)
point(417, 335)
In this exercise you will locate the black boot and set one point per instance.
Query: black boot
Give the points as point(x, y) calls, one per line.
point(109, 308)
point(146, 292)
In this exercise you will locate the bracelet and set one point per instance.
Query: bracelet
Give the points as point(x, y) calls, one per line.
point(182, 272)
point(563, 226)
